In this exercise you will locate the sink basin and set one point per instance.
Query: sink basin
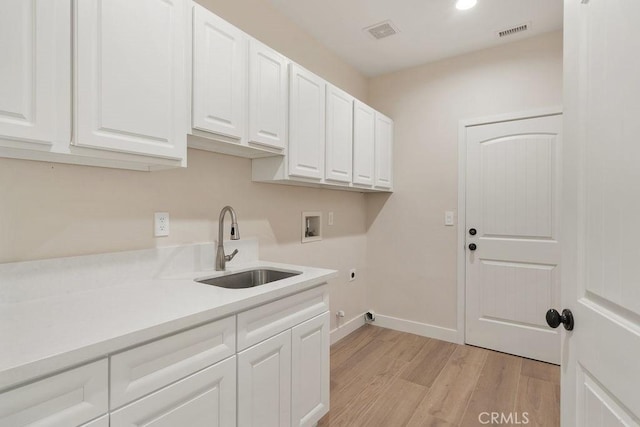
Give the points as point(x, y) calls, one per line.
point(248, 279)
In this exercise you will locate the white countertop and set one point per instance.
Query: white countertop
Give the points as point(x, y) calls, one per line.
point(44, 335)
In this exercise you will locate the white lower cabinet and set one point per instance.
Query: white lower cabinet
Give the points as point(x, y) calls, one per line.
point(277, 375)
point(204, 399)
point(70, 398)
point(264, 383)
point(310, 371)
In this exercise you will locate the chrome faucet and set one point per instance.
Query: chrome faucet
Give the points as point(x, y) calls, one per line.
point(221, 258)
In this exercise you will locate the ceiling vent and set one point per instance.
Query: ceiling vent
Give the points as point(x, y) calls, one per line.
point(382, 30)
point(514, 30)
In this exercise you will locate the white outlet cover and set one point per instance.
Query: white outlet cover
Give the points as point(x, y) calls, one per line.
point(161, 224)
point(449, 218)
point(330, 218)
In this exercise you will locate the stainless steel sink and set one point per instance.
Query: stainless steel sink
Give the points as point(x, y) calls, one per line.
point(247, 279)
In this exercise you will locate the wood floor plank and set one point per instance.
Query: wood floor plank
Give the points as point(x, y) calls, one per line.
point(540, 399)
point(450, 393)
point(391, 411)
point(407, 346)
point(352, 402)
point(428, 363)
point(360, 362)
point(346, 347)
point(496, 388)
point(541, 370)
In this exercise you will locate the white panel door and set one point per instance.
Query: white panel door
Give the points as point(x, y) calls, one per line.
point(512, 198)
point(205, 399)
point(268, 96)
point(310, 371)
point(364, 128)
point(339, 135)
point(601, 201)
point(35, 71)
point(130, 90)
point(264, 383)
point(383, 152)
point(306, 124)
point(219, 75)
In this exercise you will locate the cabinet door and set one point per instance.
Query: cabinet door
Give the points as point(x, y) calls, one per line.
point(384, 152)
point(268, 104)
point(310, 371)
point(307, 124)
point(364, 128)
point(130, 76)
point(205, 399)
point(264, 383)
point(35, 75)
point(339, 135)
point(219, 75)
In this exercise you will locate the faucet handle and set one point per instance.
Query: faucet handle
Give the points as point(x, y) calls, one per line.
point(231, 255)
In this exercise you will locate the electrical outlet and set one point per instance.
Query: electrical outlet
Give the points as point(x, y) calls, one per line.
point(330, 216)
point(161, 224)
point(352, 274)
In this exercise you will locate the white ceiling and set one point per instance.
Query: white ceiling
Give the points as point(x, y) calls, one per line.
point(429, 29)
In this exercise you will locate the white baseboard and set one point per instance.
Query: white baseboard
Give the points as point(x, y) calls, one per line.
point(346, 328)
point(422, 329)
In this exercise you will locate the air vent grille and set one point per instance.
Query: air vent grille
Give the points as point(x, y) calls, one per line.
point(513, 30)
point(382, 30)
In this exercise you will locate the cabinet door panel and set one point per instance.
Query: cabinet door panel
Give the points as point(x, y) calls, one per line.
point(339, 136)
point(130, 76)
point(147, 368)
point(364, 128)
point(219, 75)
point(70, 398)
point(267, 320)
point(310, 371)
point(35, 76)
point(205, 399)
point(264, 383)
point(268, 91)
point(307, 124)
point(384, 152)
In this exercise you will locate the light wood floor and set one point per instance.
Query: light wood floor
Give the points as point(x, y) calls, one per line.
point(381, 377)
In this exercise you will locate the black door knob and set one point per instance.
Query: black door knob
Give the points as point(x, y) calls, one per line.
point(472, 231)
point(473, 247)
point(566, 318)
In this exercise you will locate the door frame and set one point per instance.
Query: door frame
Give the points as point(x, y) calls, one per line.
point(463, 124)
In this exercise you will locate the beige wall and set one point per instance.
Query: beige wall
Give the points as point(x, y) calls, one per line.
point(411, 254)
point(53, 210)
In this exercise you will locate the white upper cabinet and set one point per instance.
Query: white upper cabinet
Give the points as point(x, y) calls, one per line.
point(364, 128)
point(268, 96)
point(130, 93)
point(35, 73)
point(339, 135)
point(383, 152)
point(306, 124)
point(219, 75)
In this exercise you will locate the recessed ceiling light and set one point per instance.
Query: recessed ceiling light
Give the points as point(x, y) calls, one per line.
point(465, 4)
